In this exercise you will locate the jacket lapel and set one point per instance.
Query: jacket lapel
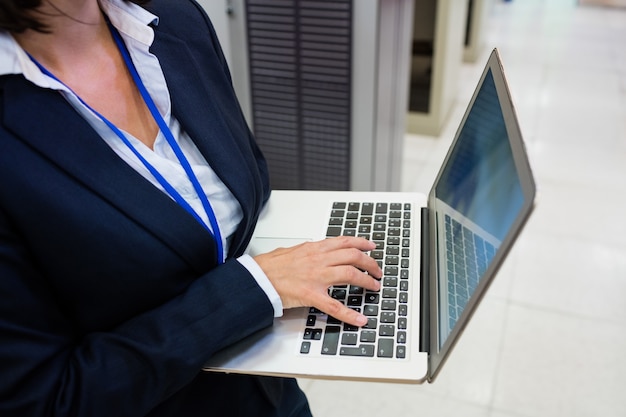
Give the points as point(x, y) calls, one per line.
point(43, 118)
point(217, 127)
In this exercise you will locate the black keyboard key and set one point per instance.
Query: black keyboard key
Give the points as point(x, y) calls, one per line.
point(393, 250)
point(339, 205)
point(349, 339)
point(387, 330)
point(368, 336)
point(337, 213)
point(370, 310)
point(391, 270)
point(381, 208)
point(310, 320)
point(392, 260)
point(354, 290)
point(403, 310)
point(305, 347)
point(363, 350)
point(389, 317)
point(350, 328)
point(338, 294)
point(367, 209)
point(355, 300)
point(331, 340)
point(312, 334)
point(333, 231)
point(401, 352)
point(350, 224)
point(390, 293)
point(372, 323)
point(385, 348)
point(372, 298)
point(390, 281)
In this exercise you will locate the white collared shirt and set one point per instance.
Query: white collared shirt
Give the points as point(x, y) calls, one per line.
point(132, 22)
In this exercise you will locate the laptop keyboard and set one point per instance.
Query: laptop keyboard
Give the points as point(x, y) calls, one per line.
point(468, 255)
point(385, 335)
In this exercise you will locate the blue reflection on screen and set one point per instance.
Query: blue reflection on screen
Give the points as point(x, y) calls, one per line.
point(480, 180)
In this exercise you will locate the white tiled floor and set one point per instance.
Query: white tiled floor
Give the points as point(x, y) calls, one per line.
point(550, 336)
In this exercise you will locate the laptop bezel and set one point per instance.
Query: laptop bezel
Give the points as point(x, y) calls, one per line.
point(438, 355)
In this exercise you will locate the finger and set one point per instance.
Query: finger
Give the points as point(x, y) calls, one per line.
point(349, 275)
point(357, 259)
point(344, 242)
point(339, 311)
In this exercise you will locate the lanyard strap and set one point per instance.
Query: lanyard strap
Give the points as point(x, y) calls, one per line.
point(215, 233)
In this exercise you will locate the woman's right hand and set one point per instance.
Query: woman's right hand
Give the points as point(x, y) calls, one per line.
point(302, 274)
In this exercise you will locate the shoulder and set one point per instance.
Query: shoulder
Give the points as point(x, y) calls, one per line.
point(180, 17)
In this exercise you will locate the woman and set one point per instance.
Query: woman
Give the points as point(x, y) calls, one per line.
point(130, 186)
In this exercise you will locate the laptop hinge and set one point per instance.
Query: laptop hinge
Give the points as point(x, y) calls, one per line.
point(424, 283)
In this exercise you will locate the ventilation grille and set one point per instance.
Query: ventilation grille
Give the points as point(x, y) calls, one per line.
point(300, 54)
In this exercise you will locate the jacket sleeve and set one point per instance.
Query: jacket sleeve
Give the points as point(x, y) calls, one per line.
point(48, 368)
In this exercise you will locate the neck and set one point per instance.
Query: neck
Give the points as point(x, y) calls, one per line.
point(75, 26)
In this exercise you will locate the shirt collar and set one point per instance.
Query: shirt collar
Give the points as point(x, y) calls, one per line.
point(129, 18)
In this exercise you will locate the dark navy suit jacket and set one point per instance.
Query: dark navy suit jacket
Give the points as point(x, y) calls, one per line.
point(111, 298)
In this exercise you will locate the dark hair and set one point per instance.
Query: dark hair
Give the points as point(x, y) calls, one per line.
point(18, 16)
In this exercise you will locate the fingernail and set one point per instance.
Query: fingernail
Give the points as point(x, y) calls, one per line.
point(361, 320)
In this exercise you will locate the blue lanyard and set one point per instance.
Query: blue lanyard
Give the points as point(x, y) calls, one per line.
point(170, 139)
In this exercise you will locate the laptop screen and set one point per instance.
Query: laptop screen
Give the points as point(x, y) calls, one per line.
point(477, 199)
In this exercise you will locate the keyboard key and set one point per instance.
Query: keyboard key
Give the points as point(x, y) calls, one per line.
point(305, 347)
point(385, 348)
point(401, 352)
point(390, 293)
point(367, 209)
point(390, 281)
point(387, 330)
point(355, 300)
point(337, 213)
point(403, 310)
point(388, 317)
point(372, 298)
point(333, 231)
point(370, 310)
point(349, 339)
point(368, 336)
point(372, 323)
point(331, 340)
point(339, 294)
point(350, 328)
point(363, 350)
point(354, 290)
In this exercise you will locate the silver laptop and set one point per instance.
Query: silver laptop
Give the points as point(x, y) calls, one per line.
point(439, 253)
